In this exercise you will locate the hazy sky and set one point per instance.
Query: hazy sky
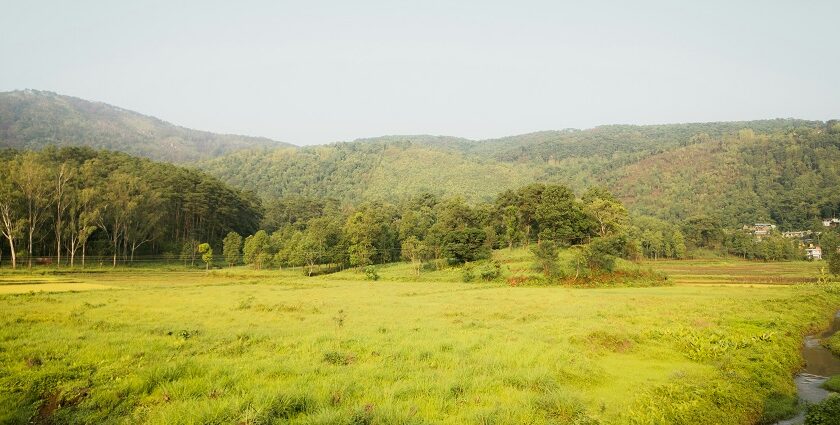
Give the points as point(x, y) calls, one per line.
point(315, 71)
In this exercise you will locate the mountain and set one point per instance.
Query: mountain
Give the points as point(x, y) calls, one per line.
point(31, 119)
point(783, 170)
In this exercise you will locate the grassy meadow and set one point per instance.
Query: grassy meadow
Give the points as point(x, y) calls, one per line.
point(157, 346)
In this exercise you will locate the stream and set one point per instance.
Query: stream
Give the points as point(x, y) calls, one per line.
point(820, 363)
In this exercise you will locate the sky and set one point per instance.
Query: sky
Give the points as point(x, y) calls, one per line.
point(312, 72)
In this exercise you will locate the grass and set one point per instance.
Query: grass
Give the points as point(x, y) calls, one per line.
point(243, 346)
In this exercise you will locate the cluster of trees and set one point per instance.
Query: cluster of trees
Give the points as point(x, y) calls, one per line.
point(773, 247)
point(426, 229)
point(56, 204)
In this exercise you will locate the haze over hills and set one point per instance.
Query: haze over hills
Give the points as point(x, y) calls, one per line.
point(780, 170)
point(31, 119)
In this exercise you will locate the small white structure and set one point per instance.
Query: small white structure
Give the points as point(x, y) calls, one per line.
point(813, 253)
point(831, 222)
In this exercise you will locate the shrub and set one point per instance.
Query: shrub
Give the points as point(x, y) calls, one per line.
point(779, 407)
point(546, 258)
point(834, 264)
point(371, 273)
point(490, 271)
point(467, 274)
point(825, 413)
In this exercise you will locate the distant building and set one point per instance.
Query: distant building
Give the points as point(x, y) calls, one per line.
point(813, 253)
point(831, 222)
point(796, 234)
point(759, 230)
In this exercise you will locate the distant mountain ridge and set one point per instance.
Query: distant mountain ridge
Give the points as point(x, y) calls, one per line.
point(786, 171)
point(31, 119)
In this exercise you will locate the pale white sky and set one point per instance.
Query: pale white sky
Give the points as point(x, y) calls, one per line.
point(321, 71)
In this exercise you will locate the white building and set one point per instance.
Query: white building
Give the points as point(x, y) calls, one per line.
point(813, 253)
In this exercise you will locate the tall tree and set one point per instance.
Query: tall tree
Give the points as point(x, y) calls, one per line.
point(231, 248)
point(10, 200)
point(32, 178)
point(63, 175)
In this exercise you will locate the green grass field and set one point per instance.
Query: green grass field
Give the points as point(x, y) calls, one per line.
point(249, 347)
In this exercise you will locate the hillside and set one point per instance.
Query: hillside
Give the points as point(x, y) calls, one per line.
point(32, 119)
point(783, 171)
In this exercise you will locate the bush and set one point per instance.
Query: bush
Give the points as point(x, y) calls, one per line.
point(779, 407)
point(465, 245)
point(825, 413)
point(371, 273)
point(490, 271)
point(834, 264)
point(467, 274)
point(546, 258)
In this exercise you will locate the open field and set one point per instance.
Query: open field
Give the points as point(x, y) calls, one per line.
point(242, 346)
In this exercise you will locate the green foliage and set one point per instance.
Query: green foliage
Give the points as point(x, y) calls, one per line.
point(625, 357)
point(834, 264)
point(232, 248)
point(206, 252)
point(465, 245)
point(490, 270)
point(467, 273)
point(371, 273)
point(778, 407)
point(826, 412)
point(833, 384)
point(36, 119)
point(545, 254)
point(256, 250)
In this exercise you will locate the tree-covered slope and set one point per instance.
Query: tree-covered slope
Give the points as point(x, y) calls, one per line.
point(791, 178)
point(370, 170)
point(32, 119)
point(784, 171)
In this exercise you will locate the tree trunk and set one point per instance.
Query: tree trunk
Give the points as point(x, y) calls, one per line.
point(12, 248)
point(84, 245)
point(31, 231)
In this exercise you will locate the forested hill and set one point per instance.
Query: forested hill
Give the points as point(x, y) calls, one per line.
point(784, 171)
point(32, 119)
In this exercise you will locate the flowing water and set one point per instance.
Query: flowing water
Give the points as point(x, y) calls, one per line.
point(820, 363)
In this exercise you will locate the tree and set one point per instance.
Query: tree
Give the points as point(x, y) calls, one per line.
point(679, 250)
point(82, 216)
point(510, 219)
point(412, 251)
point(546, 257)
point(32, 178)
point(834, 264)
point(602, 252)
point(10, 200)
point(206, 252)
point(255, 250)
point(188, 251)
point(609, 214)
point(361, 232)
point(63, 176)
point(559, 215)
point(465, 245)
point(231, 248)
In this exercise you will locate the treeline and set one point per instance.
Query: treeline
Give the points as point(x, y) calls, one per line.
point(428, 229)
point(660, 239)
point(57, 204)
